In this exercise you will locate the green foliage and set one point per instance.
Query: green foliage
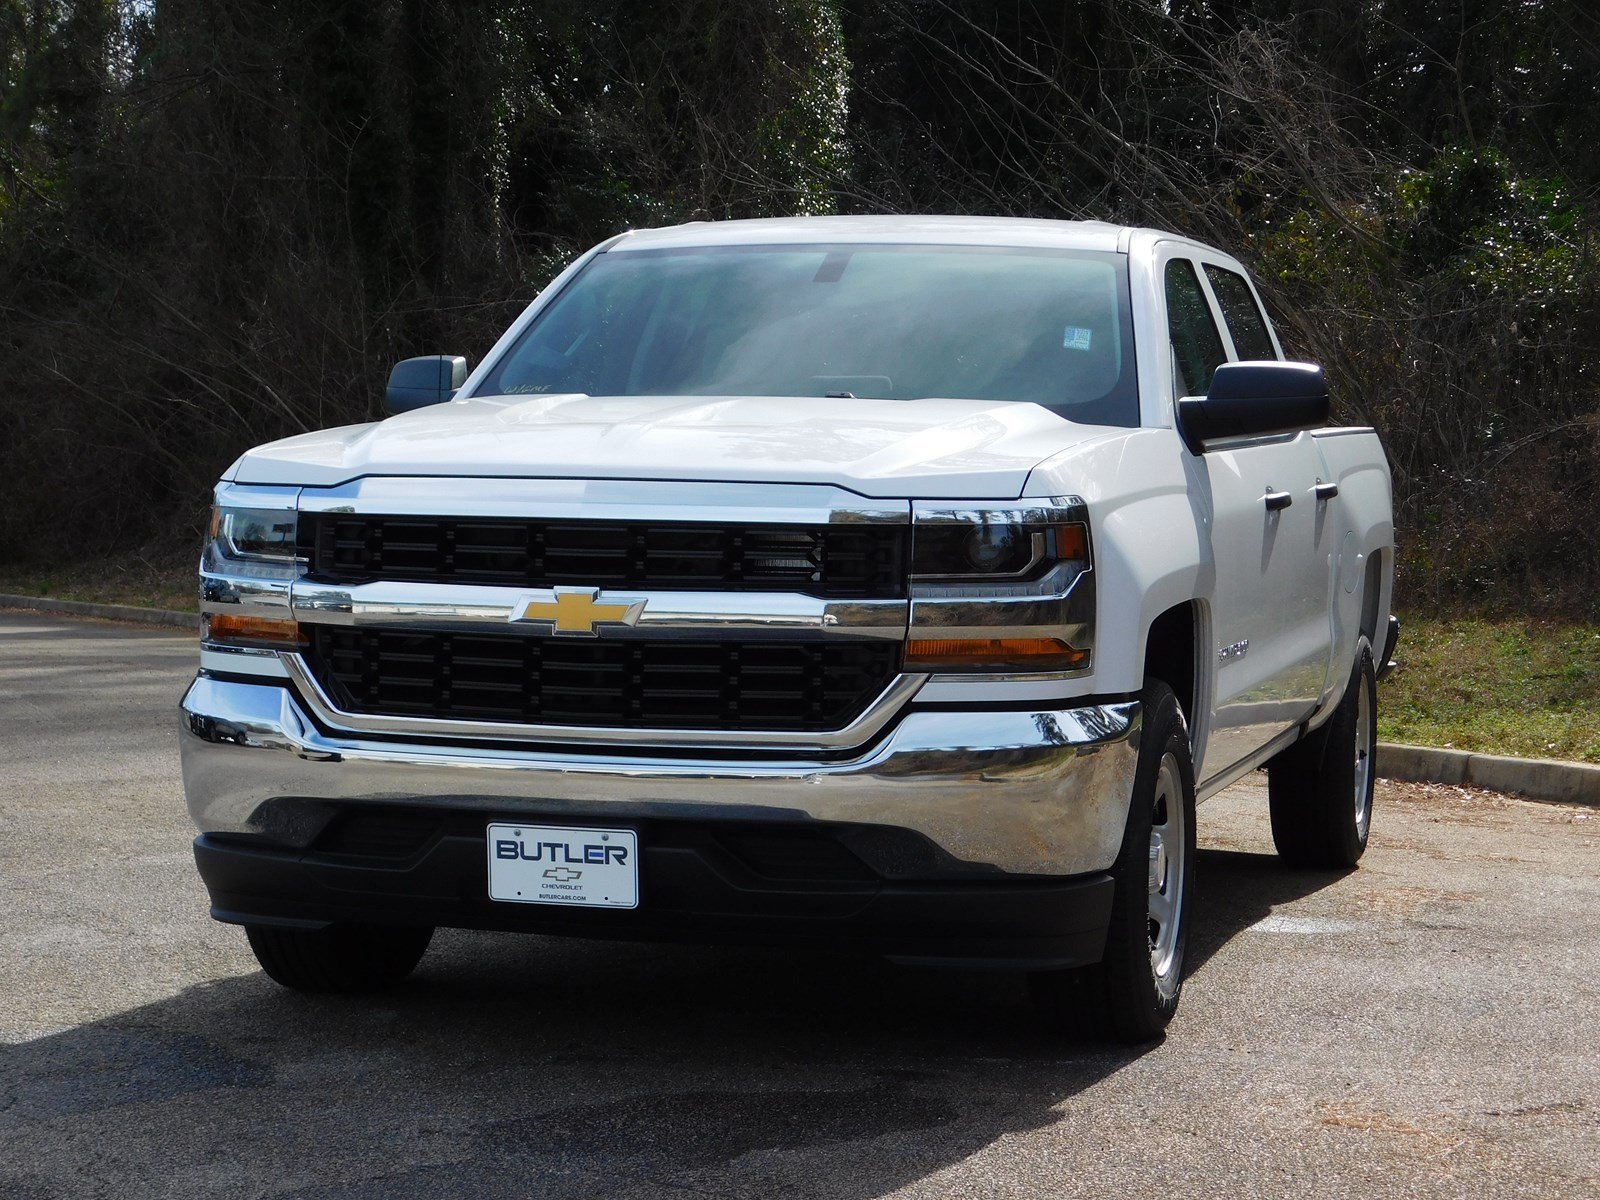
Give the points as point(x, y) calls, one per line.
point(804, 136)
point(1496, 685)
point(1455, 301)
point(1468, 220)
point(220, 224)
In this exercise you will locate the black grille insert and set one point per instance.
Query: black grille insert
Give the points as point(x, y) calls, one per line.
point(625, 683)
point(862, 560)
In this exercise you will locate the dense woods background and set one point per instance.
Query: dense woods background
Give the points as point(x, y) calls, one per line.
point(222, 222)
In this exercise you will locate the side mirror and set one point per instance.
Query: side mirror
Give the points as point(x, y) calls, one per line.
point(419, 382)
point(1253, 398)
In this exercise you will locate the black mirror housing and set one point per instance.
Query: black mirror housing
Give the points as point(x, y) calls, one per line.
point(1254, 398)
point(419, 382)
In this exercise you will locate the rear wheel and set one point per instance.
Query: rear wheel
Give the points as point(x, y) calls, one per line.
point(1320, 789)
point(339, 958)
point(1133, 991)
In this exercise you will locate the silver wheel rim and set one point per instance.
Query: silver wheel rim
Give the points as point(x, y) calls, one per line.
point(1363, 758)
point(1169, 866)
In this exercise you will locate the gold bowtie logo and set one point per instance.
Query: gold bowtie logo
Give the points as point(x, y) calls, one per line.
point(576, 611)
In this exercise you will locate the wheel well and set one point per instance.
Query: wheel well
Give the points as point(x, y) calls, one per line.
point(1371, 592)
point(1169, 655)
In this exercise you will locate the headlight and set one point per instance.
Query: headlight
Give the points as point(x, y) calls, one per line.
point(250, 558)
point(998, 545)
point(1000, 587)
point(983, 543)
point(255, 534)
point(255, 543)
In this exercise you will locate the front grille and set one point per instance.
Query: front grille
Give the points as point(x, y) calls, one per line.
point(861, 560)
point(625, 683)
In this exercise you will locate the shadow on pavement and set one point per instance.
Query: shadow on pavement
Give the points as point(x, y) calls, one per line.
point(1234, 889)
point(535, 1067)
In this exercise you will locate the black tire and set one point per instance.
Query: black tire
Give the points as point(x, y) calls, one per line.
point(1320, 789)
point(339, 958)
point(1124, 997)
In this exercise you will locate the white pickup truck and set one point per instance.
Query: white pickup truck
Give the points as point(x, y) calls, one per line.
point(896, 583)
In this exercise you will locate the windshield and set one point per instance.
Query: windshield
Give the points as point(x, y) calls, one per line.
point(885, 322)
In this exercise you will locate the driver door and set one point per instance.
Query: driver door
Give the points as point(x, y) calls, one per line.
point(1270, 632)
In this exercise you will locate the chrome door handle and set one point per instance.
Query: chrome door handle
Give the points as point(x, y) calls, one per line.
point(1276, 500)
point(1325, 491)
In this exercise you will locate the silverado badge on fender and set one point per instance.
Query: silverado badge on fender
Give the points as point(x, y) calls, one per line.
point(578, 611)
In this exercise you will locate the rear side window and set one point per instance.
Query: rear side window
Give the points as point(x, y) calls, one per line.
point(1196, 344)
point(1242, 313)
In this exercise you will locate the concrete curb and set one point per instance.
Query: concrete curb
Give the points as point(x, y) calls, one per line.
point(1533, 778)
point(106, 612)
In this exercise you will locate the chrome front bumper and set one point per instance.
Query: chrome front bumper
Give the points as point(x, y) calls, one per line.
point(1025, 792)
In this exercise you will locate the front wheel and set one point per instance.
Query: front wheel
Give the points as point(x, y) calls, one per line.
point(1132, 992)
point(339, 958)
point(1320, 789)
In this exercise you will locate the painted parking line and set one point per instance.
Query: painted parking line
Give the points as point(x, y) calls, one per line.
point(1304, 925)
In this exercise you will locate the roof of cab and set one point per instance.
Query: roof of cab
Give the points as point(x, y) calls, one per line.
point(949, 231)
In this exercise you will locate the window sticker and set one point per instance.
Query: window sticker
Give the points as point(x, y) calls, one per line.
point(1076, 338)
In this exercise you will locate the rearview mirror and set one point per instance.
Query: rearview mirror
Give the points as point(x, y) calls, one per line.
point(419, 382)
point(1254, 398)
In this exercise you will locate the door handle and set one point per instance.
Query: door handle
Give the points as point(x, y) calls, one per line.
point(1325, 491)
point(1276, 500)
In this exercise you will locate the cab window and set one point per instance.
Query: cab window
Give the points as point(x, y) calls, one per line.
point(1243, 315)
point(1196, 345)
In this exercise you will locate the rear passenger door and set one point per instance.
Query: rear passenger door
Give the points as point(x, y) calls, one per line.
point(1270, 633)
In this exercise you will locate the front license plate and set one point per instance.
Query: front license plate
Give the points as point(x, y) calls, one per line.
point(557, 864)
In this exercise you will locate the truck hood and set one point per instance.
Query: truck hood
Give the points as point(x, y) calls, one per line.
point(900, 448)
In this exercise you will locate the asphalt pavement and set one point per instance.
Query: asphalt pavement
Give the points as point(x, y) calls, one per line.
point(1426, 1025)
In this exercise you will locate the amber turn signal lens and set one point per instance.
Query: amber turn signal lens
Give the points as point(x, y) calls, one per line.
point(994, 654)
point(267, 632)
point(1072, 543)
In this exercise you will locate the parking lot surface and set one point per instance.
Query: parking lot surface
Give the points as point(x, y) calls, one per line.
point(1426, 1025)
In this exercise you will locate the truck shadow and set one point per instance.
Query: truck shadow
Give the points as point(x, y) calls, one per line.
point(536, 1067)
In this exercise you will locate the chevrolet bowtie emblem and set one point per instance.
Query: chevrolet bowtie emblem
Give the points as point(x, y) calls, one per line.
point(563, 874)
point(576, 611)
